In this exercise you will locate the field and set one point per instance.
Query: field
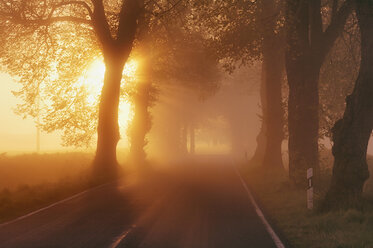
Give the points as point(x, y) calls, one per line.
point(31, 181)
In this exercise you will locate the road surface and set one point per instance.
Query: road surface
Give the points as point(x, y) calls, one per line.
point(188, 207)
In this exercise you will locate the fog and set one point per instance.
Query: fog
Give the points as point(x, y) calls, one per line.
point(185, 124)
point(148, 123)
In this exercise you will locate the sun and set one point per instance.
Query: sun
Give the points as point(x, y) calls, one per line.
point(93, 80)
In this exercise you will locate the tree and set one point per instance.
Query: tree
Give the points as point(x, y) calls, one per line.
point(352, 132)
point(113, 25)
point(242, 32)
point(51, 79)
point(338, 76)
point(143, 98)
point(309, 39)
point(268, 151)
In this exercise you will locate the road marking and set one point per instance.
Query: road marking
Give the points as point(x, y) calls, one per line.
point(53, 204)
point(259, 212)
point(121, 237)
point(147, 213)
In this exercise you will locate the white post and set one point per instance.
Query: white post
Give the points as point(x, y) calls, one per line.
point(310, 189)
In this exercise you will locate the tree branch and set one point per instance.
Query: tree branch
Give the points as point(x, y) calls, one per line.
point(46, 22)
point(169, 9)
point(19, 16)
point(81, 3)
point(336, 26)
point(101, 25)
point(128, 21)
point(315, 23)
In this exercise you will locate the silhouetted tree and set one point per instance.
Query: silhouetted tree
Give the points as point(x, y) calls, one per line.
point(351, 133)
point(268, 151)
point(141, 122)
point(309, 40)
point(338, 76)
point(114, 25)
point(143, 97)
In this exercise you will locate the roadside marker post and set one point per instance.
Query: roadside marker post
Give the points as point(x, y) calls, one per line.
point(310, 189)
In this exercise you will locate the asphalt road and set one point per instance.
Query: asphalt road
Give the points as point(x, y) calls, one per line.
point(185, 207)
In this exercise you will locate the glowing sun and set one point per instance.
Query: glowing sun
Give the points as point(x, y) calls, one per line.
point(93, 81)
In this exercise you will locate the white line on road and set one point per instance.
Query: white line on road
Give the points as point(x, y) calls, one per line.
point(52, 205)
point(121, 237)
point(156, 204)
point(259, 212)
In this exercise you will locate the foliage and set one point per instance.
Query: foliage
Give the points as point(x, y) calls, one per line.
point(231, 28)
point(48, 46)
point(47, 58)
point(184, 62)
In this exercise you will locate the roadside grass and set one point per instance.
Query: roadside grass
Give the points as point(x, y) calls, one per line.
point(286, 207)
point(33, 169)
point(32, 181)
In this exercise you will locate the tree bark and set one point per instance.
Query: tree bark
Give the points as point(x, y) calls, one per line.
point(269, 140)
point(273, 66)
point(307, 46)
point(261, 139)
point(302, 67)
point(116, 51)
point(303, 119)
point(141, 123)
point(105, 163)
point(351, 133)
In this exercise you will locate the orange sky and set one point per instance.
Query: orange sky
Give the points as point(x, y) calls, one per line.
point(17, 134)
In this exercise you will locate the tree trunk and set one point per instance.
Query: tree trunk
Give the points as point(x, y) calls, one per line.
point(307, 45)
point(116, 51)
point(273, 62)
point(269, 140)
point(261, 139)
point(141, 123)
point(302, 68)
point(105, 163)
point(351, 133)
point(303, 119)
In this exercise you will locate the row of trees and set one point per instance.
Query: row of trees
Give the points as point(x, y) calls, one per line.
point(351, 133)
point(300, 36)
point(312, 29)
point(54, 40)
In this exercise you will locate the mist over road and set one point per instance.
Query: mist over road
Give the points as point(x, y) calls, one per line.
point(183, 207)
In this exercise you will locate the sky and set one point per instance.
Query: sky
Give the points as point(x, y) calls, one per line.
point(17, 134)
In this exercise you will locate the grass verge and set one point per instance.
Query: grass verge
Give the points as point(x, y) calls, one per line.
point(32, 181)
point(25, 199)
point(286, 206)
